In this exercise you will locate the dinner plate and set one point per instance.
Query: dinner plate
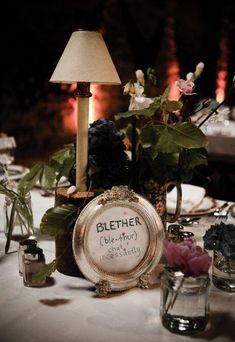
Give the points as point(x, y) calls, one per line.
point(15, 172)
point(207, 206)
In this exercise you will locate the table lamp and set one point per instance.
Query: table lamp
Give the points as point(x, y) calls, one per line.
point(85, 60)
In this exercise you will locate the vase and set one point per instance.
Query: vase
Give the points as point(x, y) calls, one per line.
point(184, 306)
point(223, 272)
point(18, 227)
point(157, 195)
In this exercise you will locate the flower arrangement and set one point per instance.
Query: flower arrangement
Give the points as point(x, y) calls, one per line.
point(184, 287)
point(221, 237)
point(190, 259)
point(168, 145)
point(108, 164)
point(17, 210)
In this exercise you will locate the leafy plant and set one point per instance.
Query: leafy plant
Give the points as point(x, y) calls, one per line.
point(20, 208)
point(169, 146)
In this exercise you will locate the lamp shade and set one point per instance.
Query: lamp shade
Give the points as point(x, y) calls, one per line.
point(85, 59)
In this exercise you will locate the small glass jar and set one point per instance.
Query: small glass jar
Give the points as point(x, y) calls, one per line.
point(21, 229)
point(33, 262)
point(184, 302)
point(223, 272)
point(23, 245)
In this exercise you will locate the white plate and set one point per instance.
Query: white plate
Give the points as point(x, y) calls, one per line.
point(15, 172)
point(207, 206)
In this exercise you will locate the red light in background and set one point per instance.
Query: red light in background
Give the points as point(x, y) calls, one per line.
point(173, 70)
point(222, 67)
point(98, 107)
point(173, 75)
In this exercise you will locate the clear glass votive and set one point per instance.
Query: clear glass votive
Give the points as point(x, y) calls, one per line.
point(223, 272)
point(184, 302)
point(33, 262)
point(23, 245)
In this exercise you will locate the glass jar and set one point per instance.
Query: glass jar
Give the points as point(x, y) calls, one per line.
point(33, 262)
point(184, 302)
point(23, 245)
point(223, 272)
point(21, 228)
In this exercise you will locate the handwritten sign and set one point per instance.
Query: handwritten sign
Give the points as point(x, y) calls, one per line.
point(118, 239)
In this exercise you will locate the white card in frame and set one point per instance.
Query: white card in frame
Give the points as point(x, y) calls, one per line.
point(117, 240)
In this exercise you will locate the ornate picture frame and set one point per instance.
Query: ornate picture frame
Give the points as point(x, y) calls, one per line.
point(117, 240)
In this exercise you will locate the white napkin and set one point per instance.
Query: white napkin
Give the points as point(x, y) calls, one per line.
point(192, 196)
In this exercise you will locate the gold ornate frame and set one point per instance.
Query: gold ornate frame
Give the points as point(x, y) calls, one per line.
point(107, 281)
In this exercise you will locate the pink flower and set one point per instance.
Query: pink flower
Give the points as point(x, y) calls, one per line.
point(185, 87)
point(186, 256)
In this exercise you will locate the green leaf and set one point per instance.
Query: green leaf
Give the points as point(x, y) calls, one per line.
point(25, 213)
point(59, 220)
point(59, 157)
point(31, 178)
point(164, 142)
point(48, 176)
point(187, 135)
point(7, 192)
point(63, 160)
point(149, 136)
point(148, 112)
point(45, 272)
point(171, 106)
point(66, 168)
point(196, 157)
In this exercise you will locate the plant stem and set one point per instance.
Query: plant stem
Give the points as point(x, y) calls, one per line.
point(11, 224)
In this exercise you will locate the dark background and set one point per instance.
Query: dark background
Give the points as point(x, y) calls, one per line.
point(138, 34)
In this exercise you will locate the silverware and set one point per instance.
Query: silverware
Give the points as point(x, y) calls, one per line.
point(188, 221)
point(220, 212)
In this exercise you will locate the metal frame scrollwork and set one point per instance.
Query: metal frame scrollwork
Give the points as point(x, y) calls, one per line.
point(117, 199)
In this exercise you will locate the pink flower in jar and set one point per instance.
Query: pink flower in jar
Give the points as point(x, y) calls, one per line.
point(188, 257)
point(185, 87)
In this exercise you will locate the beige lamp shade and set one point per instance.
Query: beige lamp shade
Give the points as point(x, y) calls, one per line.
point(85, 59)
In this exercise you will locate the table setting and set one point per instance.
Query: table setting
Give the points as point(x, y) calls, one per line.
point(70, 301)
point(113, 245)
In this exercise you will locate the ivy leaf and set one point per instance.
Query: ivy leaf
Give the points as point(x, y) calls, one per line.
point(45, 272)
point(59, 220)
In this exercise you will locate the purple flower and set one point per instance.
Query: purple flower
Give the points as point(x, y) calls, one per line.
point(221, 237)
point(185, 87)
point(188, 257)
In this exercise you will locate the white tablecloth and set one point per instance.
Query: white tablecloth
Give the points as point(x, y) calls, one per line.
point(68, 310)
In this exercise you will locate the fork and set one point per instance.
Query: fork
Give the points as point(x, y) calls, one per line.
point(220, 210)
point(222, 213)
